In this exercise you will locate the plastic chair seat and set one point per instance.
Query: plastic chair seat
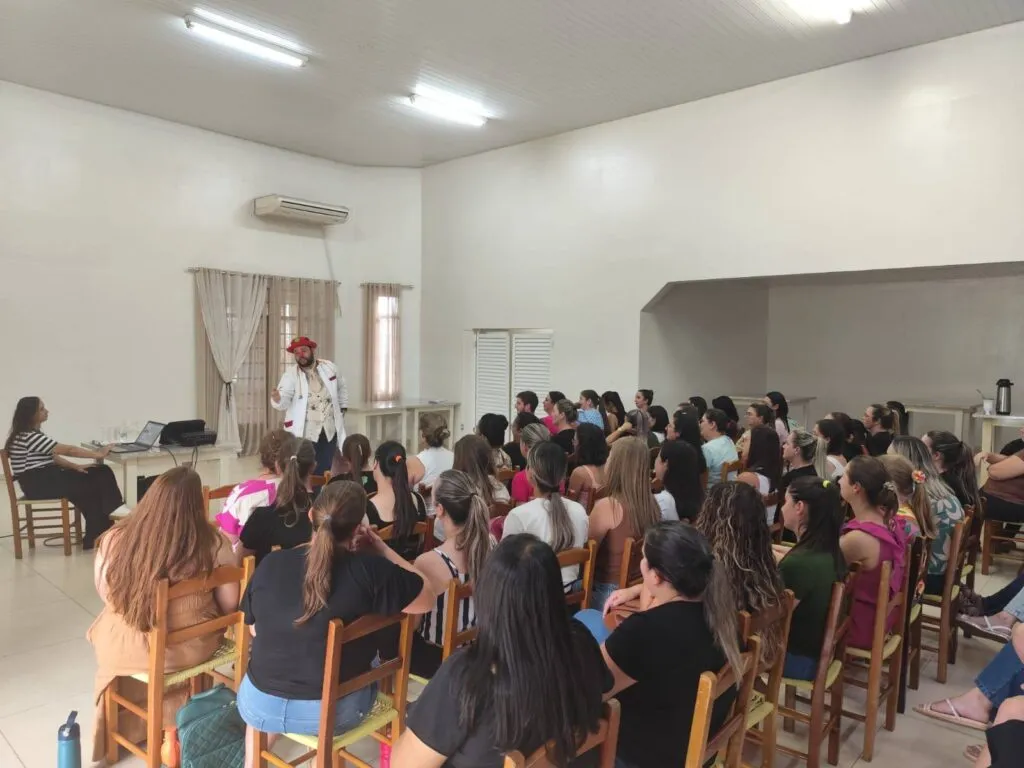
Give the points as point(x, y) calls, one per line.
point(760, 710)
point(915, 612)
point(225, 654)
point(936, 600)
point(892, 644)
point(382, 713)
point(834, 670)
point(966, 571)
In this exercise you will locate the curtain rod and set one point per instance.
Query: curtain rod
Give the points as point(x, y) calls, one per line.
point(404, 287)
point(193, 270)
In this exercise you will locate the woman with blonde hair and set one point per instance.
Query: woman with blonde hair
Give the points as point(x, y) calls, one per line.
point(627, 512)
point(345, 573)
point(914, 513)
point(474, 457)
point(166, 537)
point(435, 458)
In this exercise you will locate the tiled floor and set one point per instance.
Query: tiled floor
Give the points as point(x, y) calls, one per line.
point(47, 602)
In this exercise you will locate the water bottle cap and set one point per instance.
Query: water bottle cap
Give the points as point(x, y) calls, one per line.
point(70, 730)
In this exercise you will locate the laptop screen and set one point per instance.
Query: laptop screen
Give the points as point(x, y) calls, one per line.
point(150, 433)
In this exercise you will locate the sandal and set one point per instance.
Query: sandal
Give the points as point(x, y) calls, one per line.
point(983, 626)
point(955, 718)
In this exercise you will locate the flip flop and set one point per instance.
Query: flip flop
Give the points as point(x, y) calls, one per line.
point(955, 718)
point(983, 626)
point(973, 752)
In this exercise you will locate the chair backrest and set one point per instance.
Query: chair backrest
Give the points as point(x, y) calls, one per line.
point(505, 474)
point(605, 738)
point(424, 529)
point(501, 508)
point(729, 467)
point(957, 559)
point(777, 618)
point(215, 494)
point(586, 558)
point(394, 671)
point(318, 481)
point(837, 626)
point(917, 565)
point(161, 636)
point(629, 569)
point(12, 495)
point(886, 604)
point(730, 736)
point(453, 639)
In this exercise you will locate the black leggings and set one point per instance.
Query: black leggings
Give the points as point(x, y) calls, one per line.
point(94, 493)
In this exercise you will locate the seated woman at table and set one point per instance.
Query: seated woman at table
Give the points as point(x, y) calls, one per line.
point(261, 491)
point(657, 655)
point(590, 459)
point(166, 537)
point(532, 435)
point(492, 427)
point(678, 469)
point(396, 503)
point(1003, 493)
point(353, 462)
point(346, 572)
point(733, 521)
point(532, 677)
point(285, 523)
point(39, 467)
point(464, 517)
point(811, 510)
point(626, 512)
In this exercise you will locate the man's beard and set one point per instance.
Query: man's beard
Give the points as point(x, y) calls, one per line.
point(307, 363)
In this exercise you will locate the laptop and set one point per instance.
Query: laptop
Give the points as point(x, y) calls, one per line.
point(145, 441)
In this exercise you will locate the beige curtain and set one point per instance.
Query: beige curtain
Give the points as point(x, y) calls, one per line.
point(382, 342)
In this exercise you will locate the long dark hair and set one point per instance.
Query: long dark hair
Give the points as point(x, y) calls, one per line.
point(764, 413)
point(764, 455)
point(659, 418)
point(900, 411)
point(525, 666)
point(296, 459)
point(393, 463)
point(873, 478)
point(337, 512)
point(474, 457)
point(700, 404)
point(683, 557)
point(595, 398)
point(492, 427)
point(547, 464)
point(724, 403)
point(356, 450)
point(458, 495)
point(24, 418)
point(682, 477)
point(687, 427)
point(958, 466)
point(834, 434)
point(854, 434)
point(824, 522)
point(780, 406)
point(612, 402)
point(591, 447)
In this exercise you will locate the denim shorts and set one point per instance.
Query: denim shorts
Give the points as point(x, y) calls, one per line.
point(273, 714)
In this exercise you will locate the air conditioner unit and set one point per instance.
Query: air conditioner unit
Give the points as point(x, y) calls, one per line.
point(293, 209)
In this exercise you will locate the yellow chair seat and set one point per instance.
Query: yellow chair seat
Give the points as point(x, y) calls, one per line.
point(937, 599)
point(892, 643)
point(382, 713)
point(225, 654)
point(834, 670)
point(915, 612)
point(418, 679)
point(41, 502)
point(760, 710)
point(966, 571)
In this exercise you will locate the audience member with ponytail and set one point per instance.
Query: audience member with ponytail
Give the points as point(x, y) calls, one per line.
point(855, 434)
point(614, 409)
point(812, 511)
point(870, 539)
point(474, 457)
point(882, 424)
point(261, 491)
point(560, 522)
point(626, 512)
point(590, 457)
point(687, 626)
point(532, 436)
point(678, 468)
point(954, 460)
point(463, 515)
point(763, 465)
point(285, 523)
point(591, 410)
point(757, 415)
point(353, 463)
point(806, 455)
point(685, 427)
point(396, 503)
point(725, 404)
point(345, 573)
point(780, 406)
point(914, 514)
point(835, 443)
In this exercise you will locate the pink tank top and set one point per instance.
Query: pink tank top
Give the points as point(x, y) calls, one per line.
point(865, 586)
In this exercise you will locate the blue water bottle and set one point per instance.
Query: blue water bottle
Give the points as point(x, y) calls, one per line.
point(69, 744)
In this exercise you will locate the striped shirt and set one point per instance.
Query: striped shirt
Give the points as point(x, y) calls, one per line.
point(432, 627)
point(31, 450)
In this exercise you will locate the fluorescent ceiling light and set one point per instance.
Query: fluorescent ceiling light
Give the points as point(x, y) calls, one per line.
point(247, 30)
point(243, 44)
point(447, 106)
point(843, 15)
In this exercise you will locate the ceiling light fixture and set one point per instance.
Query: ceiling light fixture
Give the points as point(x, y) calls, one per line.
point(243, 44)
point(447, 106)
point(843, 15)
point(247, 30)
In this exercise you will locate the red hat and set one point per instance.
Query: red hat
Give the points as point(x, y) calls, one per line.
point(301, 341)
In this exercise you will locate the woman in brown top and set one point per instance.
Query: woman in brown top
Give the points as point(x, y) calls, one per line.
point(627, 511)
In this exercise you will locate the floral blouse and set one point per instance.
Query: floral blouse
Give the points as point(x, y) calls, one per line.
point(947, 512)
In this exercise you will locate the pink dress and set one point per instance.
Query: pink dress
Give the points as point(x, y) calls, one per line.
point(865, 585)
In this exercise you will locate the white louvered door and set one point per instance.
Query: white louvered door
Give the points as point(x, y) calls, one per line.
point(493, 361)
point(531, 363)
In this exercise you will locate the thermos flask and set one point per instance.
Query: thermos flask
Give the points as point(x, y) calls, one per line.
point(69, 744)
point(1003, 407)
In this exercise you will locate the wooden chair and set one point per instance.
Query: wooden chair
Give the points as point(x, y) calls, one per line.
point(882, 662)
point(765, 702)
point(605, 738)
point(629, 569)
point(505, 475)
point(973, 536)
point(501, 508)
point(910, 672)
point(828, 679)
point(386, 719)
point(776, 528)
point(948, 603)
point(586, 558)
point(729, 738)
point(451, 638)
point(424, 529)
point(319, 481)
point(729, 467)
point(57, 515)
point(992, 532)
point(158, 681)
point(215, 494)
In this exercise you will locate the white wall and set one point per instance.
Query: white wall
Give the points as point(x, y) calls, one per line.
point(101, 211)
point(708, 338)
point(909, 159)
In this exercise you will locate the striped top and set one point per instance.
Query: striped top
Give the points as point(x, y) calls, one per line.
point(31, 450)
point(432, 626)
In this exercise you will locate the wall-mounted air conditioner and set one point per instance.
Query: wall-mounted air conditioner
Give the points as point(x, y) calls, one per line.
point(293, 209)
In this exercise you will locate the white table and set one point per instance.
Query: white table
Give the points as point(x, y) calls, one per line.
point(959, 413)
point(803, 403)
point(397, 420)
point(988, 429)
point(212, 466)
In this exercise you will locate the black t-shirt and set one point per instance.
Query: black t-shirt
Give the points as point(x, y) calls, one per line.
point(792, 475)
point(266, 529)
point(878, 443)
point(516, 454)
point(365, 478)
point(287, 660)
point(409, 547)
point(564, 440)
point(665, 649)
point(434, 718)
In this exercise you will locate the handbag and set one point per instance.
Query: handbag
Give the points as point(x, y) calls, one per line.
point(211, 733)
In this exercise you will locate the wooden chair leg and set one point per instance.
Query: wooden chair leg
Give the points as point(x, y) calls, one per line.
point(154, 725)
point(941, 665)
point(871, 708)
point(835, 717)
point(256, 745)
point(914, 678)
point(895, 678)
point(65, 524)
point(815, 734)
point(16, 530)
point(788, 723)
point(78, 526)
point(986, 547)
point(30, 527)
point(110, 718)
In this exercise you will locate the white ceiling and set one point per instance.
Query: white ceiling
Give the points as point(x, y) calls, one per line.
point(541, 66)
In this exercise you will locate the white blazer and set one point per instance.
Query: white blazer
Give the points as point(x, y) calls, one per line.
point(294, 392)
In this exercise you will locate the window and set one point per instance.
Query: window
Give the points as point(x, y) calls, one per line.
point(382, 342)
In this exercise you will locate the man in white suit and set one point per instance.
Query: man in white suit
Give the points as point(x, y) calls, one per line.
point(314, 398)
